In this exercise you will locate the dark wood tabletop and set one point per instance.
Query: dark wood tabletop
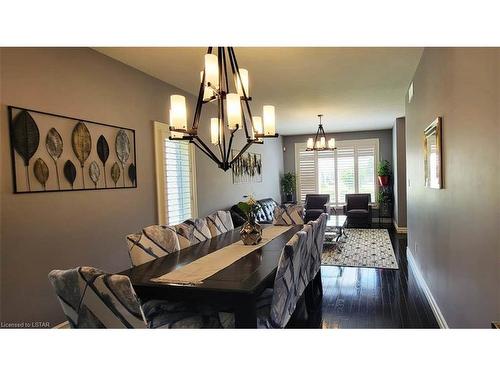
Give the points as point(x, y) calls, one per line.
point(237, 285)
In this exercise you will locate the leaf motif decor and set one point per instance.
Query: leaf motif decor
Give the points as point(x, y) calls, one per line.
point(25, 138)
point(49, 150)
point(54, 146)
point(41, 172)
point(94, 173)
point(132, 173)
point(82, 145)
point(70, 172)
point(103, 153)
point(115, 172)
point(122, 145)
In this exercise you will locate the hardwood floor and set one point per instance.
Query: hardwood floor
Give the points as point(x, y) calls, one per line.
point(374, 298)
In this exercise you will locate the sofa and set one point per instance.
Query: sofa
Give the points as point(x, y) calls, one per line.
point(265, 215)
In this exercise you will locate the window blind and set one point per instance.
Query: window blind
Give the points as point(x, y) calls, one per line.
point(366, 170)
point(178, 193)
point(307, 175)
point(347, 170)
point(326, 173)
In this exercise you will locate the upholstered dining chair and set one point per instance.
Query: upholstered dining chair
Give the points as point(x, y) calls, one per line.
point(276, 306)
point(156, 241)
point(314, 290)
point(192, 231)
point(220, 222)
point(152, 242)
point(91, 298)
point(292, 214)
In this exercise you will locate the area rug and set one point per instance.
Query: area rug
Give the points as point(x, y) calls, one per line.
point(361, 248)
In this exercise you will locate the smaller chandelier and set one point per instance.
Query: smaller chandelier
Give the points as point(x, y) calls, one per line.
point(319, 142)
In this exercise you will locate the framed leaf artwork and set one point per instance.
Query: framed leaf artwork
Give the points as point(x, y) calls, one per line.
point(52, 152)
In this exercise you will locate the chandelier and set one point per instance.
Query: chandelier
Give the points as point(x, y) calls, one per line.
point(230, 91)
point(319, 142)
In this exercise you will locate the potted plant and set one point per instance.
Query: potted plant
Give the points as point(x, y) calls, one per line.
point(383, 172)
point(288, 185)
point(251, 232)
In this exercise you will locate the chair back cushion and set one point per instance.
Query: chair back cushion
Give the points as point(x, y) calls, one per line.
point(286, 291)
point(185, 233)
point(153, 242)
point(197, 230)
point(357, 201)
point(316, 201)
point(289, 215)
point(307, 259)
point(318, 239)
point(219, 222)
point(91, 298)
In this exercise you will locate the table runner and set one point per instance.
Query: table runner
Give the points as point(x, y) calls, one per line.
point(204, 267)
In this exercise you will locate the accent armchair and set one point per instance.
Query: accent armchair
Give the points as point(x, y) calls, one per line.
point(315, 205)
point(358, 210)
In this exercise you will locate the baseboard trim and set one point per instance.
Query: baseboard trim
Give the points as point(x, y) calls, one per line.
point(428, 295)
point(62, 325)
point(399, 229)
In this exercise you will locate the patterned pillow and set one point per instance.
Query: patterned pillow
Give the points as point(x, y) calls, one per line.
point(153, 242)
point(289, 215)
point(220, 222)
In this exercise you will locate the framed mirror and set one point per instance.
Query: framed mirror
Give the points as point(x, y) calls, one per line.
point(433, 155)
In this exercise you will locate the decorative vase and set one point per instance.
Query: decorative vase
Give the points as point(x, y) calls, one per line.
point(289, 197)
point(251, 233)
point(384, 180)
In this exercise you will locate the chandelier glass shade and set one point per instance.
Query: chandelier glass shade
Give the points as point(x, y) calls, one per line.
point(223, 83)
point(319, 142)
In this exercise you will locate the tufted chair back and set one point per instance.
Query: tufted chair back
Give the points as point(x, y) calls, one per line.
point(266, 213)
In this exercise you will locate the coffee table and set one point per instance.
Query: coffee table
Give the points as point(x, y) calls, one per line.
point(334, 232)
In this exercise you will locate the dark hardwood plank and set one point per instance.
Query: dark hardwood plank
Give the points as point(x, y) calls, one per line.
point(375, 298)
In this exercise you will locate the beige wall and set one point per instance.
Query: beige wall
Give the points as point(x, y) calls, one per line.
point(454, 232)
point(399, 171)
point(40, 232)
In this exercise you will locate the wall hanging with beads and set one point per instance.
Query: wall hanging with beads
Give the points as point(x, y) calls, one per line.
point(52, 152)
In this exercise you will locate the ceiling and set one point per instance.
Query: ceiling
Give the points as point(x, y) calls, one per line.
point(354, 88)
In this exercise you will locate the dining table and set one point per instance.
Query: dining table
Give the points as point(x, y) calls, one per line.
point(234, 288)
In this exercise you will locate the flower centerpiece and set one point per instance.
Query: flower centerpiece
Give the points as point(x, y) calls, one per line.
point(251, 232)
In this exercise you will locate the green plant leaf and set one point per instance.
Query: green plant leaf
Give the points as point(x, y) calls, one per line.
point(244, 207)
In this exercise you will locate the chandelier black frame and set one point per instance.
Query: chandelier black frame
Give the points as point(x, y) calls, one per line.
point(225, 161)
point(320, 133)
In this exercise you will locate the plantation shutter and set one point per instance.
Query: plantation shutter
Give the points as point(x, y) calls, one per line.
point(349, 169)
point(307, 180)
point(345, 172)
point(366, 170)
point(178, 181)
point(326, 173)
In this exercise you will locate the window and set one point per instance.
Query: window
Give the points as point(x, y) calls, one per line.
point(347, 170)
point(176, 190)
